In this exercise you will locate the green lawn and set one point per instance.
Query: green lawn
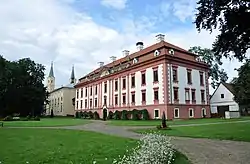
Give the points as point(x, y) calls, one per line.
point(50, 146)
point(175, 122)
point(46, 122)
point(230, 131)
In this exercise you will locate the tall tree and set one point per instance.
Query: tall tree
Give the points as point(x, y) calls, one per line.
point(241, 85)
point(216, 73)
point(231, 17)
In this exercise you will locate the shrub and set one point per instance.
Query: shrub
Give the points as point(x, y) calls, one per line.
point(8, 118)
point(111, 115)
point(117, 115)
point(152, 149)
point(37, 118)
point(24, 119)
point(85, 114)
point(28, 117)
point(145, 115)
point(91, 115)
point(77, 115)
point(51, 113)
point(135, 114)
point(104, 114)
point(81, 114)
point(124, 115)
point(96, 116)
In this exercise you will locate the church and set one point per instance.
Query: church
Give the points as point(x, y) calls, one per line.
point(60, 99)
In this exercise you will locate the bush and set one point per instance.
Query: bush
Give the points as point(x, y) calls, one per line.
point(81, 114)
point(28, 117)
point(37, 118)
point(111, 115)
point(85, 114)
point(77, 115)
point(145, 115)
point(8, 118)
point(152, 149)
point(135, 114)
point(91, 115)
point(117, 115)
point(96, 116)
point(52, 113)
point(24, 119)
point(124, 115)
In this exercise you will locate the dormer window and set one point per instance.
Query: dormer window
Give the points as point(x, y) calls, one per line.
point(135, 60)
point(156, 53)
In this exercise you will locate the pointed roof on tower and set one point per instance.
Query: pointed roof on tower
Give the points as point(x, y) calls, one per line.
point(72, 77)
point(51, 72)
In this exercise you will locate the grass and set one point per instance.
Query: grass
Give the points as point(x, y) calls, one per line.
point(232, 131)
point(49, 146)
point(175, 122)
point(46, 122)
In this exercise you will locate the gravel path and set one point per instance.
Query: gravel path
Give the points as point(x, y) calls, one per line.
point(199, 151)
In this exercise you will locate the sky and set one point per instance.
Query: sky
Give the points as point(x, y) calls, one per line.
point(85, 32)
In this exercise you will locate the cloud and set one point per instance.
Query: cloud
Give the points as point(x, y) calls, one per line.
point(116, 4)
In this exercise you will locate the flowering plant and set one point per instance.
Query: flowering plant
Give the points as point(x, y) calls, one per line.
point(153, 148)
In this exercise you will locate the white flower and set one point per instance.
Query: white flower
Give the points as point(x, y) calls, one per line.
point(94, 162)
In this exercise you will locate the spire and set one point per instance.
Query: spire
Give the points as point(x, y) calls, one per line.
point(51, 72)
point(72, 77)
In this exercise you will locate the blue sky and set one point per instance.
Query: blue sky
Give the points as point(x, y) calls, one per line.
point(84, 32)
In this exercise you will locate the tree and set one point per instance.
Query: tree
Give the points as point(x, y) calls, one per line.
point(216, 74)
point(21, 87)
point(232, 20)
point(241, 85)
point(163, 121)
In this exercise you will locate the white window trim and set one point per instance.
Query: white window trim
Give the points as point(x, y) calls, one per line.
point(204, 112)
point(158, 113)
point(192, 112)
point(178, 112)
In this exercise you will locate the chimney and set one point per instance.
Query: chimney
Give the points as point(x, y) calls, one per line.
point(113, 58)
point(125, 52)
point(160, 37)
point(139, 46)
point(101, 64)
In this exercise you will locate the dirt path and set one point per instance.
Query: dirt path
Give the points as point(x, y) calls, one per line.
point(199, 151)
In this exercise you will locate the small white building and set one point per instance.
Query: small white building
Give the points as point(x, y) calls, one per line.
point(222, 100)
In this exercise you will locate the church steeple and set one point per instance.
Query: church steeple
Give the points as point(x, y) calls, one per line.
point(51, 79)
point(72, 76)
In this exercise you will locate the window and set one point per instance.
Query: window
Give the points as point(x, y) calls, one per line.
point(95, 102)
point(143, 79)
point(116, 85)
point(95, 90)
point(176, 113)
point(156, 95)
point(176, 95)
point(86, 92)
point(193, 95)
point(76, 104)
point(82, 93)
point(90, 103)
point(133, 97)
point(191, 112)
point(133, 81)
point(202, 96)
point(175, 75)
point(86, 104)
point(116, 99)
point(91, 91)
point(201, 79)
point(124, 83)
point(222, 96)
point(105, 87)
point(143, 95)
point(155, 74)
point(156, 113)
point(187, 95)
point(105, 100)
point(77, 94)
point(61, 107)
point(124, 99)
point(204, 112)
point(189, 76)
point(81, 104)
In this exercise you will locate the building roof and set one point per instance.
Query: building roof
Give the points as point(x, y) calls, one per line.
point(228, 86)
point(139, 53)
point(51, 72)
point(72, 77)
point(69, 86)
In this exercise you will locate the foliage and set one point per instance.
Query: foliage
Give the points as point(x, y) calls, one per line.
point(124, 115)
point(90, 114)
point(164, 124)
point(104, 114)
point(152, 149)
point(85, 114)
point(111, 115)
point(96, 116)
point(80, 114)
point(77, 114)
point(8, 118)
point(135, 115)
point(24, 79)
point(216, 73)
point(37, 118)
point(232, 20)
point(241, 85)
point(145, 114)
point(51, 113)
point(117, 115)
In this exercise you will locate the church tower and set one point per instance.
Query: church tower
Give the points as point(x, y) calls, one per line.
point(51, 79)
point(72, 77)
